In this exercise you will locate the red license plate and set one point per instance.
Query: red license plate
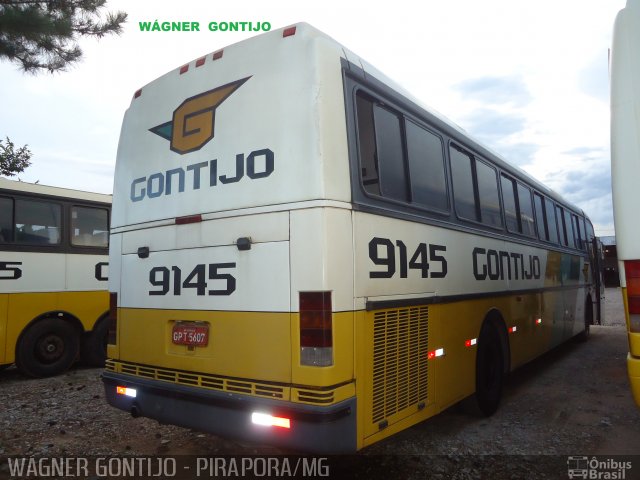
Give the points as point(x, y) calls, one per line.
point(194, 335)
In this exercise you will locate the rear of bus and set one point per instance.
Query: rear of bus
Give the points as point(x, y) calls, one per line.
point(231, 189)
point(625, 172)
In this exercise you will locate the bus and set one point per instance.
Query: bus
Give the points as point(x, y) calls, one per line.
point(54, 301)
point(303, 255)
point(625, 173)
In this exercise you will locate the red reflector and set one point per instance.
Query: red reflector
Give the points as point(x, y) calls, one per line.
point(288, 32)
point(138, 93)
point(632, 275)
point(435, 353)
point(200, 62)
point(217, 55)
point(188, 219)
point(316, 322)
point(184, 68)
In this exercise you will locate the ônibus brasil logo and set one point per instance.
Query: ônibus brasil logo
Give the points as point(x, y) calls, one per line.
point(193, 121)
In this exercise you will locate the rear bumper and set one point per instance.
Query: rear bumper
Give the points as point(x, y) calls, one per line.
point(633, 367)
point(330, 429)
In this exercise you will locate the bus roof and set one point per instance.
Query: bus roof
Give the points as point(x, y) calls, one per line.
point(36, 188)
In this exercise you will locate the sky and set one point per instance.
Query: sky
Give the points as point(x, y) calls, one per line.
point(529, 79)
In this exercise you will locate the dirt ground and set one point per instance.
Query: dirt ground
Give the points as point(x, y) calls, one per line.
point(574, 401)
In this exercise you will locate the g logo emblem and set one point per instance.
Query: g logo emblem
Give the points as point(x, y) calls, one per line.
point(193, 121)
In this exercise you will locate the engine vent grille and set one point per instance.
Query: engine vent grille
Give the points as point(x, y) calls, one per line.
point(399, 360)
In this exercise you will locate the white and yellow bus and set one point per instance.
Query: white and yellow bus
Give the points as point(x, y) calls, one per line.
point(625, 172)
point(303, 255)
point(53, 277)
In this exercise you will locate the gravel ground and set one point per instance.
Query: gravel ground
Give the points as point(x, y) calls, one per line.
point(574, 401)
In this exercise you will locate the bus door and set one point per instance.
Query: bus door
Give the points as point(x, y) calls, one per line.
point(598, 280)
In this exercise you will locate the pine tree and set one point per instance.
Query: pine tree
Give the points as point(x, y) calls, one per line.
point(42, 35)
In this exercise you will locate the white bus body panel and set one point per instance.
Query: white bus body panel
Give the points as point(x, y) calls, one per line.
point(252, 119)
point(54, 272)
point(625, 136)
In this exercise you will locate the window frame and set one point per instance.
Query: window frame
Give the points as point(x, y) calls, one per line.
point(405, 115)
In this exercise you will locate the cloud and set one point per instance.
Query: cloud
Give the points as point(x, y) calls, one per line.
point(510, 90)
point(593, 79)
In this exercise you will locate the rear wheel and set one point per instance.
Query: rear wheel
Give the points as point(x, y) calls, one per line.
point(489, 370)
point(47, 348)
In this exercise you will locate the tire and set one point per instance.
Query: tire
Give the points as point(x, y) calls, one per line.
point(489, 371)
point(93, 350)
point(47, 348)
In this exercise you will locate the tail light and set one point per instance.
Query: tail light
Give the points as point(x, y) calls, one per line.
point(316, 329)
point(266, 420)
point(632, 274)
point(113, 318)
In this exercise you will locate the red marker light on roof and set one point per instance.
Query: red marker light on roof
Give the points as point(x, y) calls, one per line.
point(217, 55)
point(138, 93)
point(288, 32)
point(200, 62)
point(184, 68)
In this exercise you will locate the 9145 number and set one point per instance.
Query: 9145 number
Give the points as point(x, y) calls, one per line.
point(419, 260)
point(171, 279)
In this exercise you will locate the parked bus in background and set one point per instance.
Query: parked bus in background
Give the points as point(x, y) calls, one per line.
point(53, 277)
point(303, 255)
point(625, 172)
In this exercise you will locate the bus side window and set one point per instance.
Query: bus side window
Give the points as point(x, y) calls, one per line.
point(571, 239)
point(526, 211)
point(541, 222)
point(6, 220)
point(367, 145)
point(463, 193)
point(579, 232)
point(426, 167)
point(509, 200)
point(552, 225)
point(390, 152)
point(487, 181)
point(37, 223)
point(89, 227)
